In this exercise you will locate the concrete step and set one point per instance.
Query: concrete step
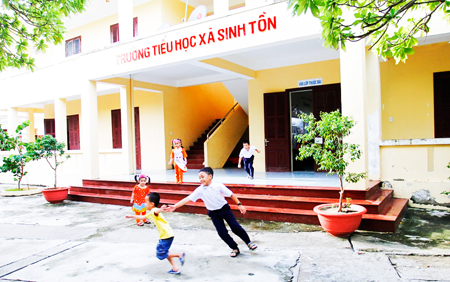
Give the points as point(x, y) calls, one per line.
point(387, 221)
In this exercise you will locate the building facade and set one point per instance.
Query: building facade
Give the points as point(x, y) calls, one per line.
point(133, 75)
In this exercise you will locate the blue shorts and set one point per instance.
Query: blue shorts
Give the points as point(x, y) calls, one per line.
point(162, 249)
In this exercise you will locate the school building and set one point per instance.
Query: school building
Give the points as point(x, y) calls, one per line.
point(133, 75)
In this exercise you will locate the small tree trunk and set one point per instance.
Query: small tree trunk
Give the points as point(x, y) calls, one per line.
point(341, 193)
point(56, 165)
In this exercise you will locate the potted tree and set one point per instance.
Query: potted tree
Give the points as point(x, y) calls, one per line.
point(324, 141)
point(15, 163)
point(53, 151)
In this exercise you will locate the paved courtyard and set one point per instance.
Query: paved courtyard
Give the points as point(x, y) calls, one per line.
point(77, 241)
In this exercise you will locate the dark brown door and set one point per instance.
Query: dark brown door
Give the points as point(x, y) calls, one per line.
point(326, 98)
point(73, 132)
point(441, 104)
point(276, 128)
point(116, 123)
point(49, 126)
point(137, 135)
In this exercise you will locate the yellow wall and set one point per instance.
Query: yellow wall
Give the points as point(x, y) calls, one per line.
point(105, 104)
point(275, 80)
point(151, 116)
point(407, 92)
point(191, 110)
point(225, 138)
point(173, 11)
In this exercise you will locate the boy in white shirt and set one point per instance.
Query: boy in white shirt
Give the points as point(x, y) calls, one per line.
point(213, 195)
point(247, 153)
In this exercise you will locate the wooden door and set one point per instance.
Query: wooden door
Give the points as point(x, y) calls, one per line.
point(73, 133)
point(116, 123)
point(326, 98)
point(277, 131)
point(137, 135)
point(441, 104)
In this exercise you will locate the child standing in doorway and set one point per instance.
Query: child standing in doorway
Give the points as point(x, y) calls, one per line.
point(247, 153)
point(138, 197)
point(178, 158)
point(166, 234)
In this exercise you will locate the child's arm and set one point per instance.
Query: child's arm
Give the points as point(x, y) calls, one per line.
point(179, 204)
point(142, 217)
point(258, 151)
point(239, 163)
point(241, 208)
point(171, 161)
point(132, 198)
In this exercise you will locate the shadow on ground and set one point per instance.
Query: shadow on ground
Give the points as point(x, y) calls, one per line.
point(421, 228)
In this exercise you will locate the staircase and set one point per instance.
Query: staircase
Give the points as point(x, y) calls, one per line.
point(263, 202)
point(196, 153)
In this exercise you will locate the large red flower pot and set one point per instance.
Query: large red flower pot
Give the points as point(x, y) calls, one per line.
point(55, 195)
point(339, 224)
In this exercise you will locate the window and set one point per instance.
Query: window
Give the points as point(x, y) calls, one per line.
point(135, 27)
point(441, 82)
point(49, 126)
point(116, 129)
point(73, 132)
point(114, 31)
point(73, 46)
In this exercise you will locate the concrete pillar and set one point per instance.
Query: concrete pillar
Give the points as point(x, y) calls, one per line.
point(126, 111)
point(354, 100)
point(31, 128)
point(61, 120)
point(13, 120)
point(373, 106)
point(89, 131)
point(221, 7)
point(125, 8)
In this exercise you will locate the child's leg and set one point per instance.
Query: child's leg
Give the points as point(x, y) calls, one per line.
point(137, 213)
point(177, 173)
point(236, 227)
point(250, 166)
point(247, 166)
point(217, 219)
point(171, 257)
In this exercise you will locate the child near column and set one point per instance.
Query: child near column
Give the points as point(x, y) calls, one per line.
point(178, 158)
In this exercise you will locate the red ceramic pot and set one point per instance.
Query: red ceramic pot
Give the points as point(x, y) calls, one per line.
point(55, 195)
point(339, 224)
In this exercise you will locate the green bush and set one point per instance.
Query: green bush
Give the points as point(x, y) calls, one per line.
point(333, 155)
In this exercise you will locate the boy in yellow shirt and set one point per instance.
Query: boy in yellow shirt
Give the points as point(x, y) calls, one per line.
point(166, 234)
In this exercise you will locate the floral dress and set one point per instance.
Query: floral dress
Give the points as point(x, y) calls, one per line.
point(139, 198)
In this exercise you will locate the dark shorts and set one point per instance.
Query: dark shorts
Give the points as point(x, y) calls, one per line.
point(162, 249)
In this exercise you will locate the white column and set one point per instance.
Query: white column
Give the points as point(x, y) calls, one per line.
point(61, 120)
point(125, 8)
point(373, 106)
point(221, 7)
point(31, 128)
point(354, 99)
point(126, 110)
point(13, 120)
point(89, 131)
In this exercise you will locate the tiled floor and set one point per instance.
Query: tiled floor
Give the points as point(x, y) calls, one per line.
point(239, 176)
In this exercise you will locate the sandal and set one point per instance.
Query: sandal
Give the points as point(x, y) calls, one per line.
point(234, 253)
point(182, 258)
point(252, 246)
point(174, 272)
point(140, 224)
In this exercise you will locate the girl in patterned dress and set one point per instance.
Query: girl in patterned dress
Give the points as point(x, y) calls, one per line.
point(178, 158)
point(138, 197)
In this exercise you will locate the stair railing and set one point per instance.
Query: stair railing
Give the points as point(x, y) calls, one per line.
point(220, 121)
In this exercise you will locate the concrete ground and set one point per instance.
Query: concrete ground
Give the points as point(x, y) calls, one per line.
point(76, 241)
